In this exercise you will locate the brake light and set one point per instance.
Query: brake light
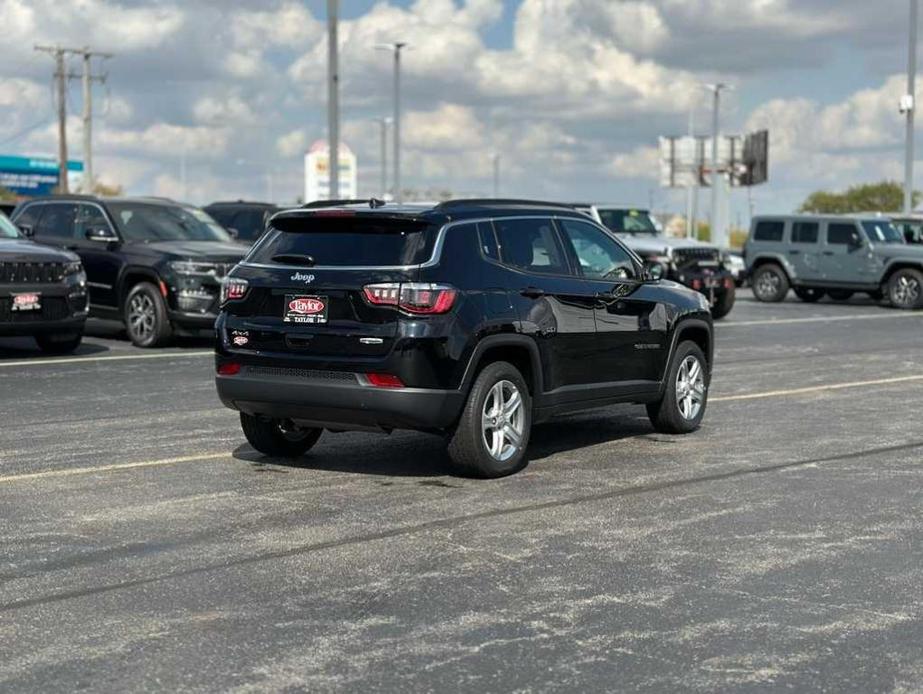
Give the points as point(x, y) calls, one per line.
point(384, 381)
point(234, 290)
point(412, 297)
point(231, 368)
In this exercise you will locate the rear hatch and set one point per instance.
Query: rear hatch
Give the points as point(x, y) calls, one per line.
point(318, 284)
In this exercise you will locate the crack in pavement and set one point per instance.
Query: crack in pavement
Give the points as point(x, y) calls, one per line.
point(454, 521)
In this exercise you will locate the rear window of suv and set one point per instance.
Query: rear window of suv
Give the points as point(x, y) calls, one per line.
point(768, 231)
point(347, 241)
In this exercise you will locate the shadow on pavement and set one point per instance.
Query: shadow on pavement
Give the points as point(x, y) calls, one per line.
point(25, 347)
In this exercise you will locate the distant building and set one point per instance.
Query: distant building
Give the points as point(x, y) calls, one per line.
point(317, 173)
point(34, 176)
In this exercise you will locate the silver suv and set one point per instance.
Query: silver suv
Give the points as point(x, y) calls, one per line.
point(835, 256)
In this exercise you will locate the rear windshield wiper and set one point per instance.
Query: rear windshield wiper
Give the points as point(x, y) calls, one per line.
point(294, 259)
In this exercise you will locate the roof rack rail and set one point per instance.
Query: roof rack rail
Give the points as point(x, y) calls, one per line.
point(320, 204)
point(499, 202)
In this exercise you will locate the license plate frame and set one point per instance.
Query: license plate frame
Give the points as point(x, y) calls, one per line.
point(303, 309)
point(26, 301)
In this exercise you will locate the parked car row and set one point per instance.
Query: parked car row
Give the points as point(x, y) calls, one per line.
point(833, 256)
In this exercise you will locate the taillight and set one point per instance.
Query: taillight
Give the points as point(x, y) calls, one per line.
point(384, 381)
point(413, 297)
point(231, 368)
point(234, 289)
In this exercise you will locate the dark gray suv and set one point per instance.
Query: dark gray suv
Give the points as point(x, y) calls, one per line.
point(835, 256)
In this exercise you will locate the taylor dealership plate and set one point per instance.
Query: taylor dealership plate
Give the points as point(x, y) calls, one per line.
point(305, 309)
point(29, 301)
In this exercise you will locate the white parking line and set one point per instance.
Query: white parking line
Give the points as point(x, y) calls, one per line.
point(820, 319)
point(67, 472)
point(815, 389)
point(127, 357)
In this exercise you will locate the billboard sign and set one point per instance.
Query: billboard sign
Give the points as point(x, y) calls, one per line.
point(34, 176)
point(317, 173)
point(687, 162)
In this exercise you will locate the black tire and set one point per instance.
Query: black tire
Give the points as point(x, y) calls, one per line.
point(666, 415)
point(905, 289)
point(271, 437)
point(467, 446)
point(59, 343)
point(770, 283)
point(152, 329)
point(840, 294)
point(809, 295)
point(724, 303)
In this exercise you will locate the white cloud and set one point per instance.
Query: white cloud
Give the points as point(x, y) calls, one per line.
point(292, 144)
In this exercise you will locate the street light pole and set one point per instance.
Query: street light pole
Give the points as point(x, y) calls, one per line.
point(690, 190)
point(716, 89)
point(908, 104)
point(396, 48)
point(384, 122)
point(333, 101)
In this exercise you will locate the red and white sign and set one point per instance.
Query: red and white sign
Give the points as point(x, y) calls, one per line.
point(306, 307)
point(27, 302)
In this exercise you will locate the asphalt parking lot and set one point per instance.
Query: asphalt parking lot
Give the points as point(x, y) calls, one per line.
point(144, 545)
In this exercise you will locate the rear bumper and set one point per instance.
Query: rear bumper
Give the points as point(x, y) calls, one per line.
point(345, 403)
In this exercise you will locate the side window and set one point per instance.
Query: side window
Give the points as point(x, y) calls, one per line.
point(488, 241)
point(57, 222)
point(530, 245)
point(90, 217)
point(599, 257)
point(840, 234)
point(224, 217)
point(768, 231)
point(250, 224)
point(29, 216)
point(805, 232)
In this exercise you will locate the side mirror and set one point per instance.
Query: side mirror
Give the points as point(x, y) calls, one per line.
point(27, 230)
point(100, 234)
point(855, 241)
point(652, 272)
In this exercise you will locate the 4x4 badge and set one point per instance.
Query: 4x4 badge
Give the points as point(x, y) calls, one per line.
point(298, 277)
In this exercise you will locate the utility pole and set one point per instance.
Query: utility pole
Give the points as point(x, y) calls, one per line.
point(716, 89)
point(383, 123)
point(396, 48)
point(908, 106)
point(61, 75)
point(496, 161)
point(690, 189)
point(333, 100)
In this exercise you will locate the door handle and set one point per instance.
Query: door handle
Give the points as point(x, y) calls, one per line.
point(606, 296)
point(829, 253)
point(71, 247)
point(794, 252)
point(533, 292)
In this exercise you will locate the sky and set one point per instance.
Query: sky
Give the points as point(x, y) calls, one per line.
point(572, 94)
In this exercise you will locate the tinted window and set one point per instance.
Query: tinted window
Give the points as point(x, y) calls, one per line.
point(140, 221)
point(530, 245)
point(222, 215)
point(882, 232)
point(90, 217)
point(768, 231)
point(840, 234)
point(29, 215)
point(250, 224)
point(488, 241)
point(8, 230)
point(346, 241)
point(805, 232)
point(599, 257)
point(57, 221)
point(627, 221)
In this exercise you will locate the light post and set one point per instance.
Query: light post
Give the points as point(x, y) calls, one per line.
point(333, 100)
point(716, 90)
point(396, 49)
point(908, 106)
point(384, 123)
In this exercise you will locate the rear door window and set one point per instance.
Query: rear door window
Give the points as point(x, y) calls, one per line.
point(768, 231)
point(57, 221)
point(840, 234)
point(805, 232)
point(488, 241)
point(531, 245)
point(347, 241)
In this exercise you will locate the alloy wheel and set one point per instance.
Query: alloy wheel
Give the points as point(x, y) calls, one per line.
point(767, 284)
point(503, 420)
point(906, 290)
point(142, 316)
point(690, 388)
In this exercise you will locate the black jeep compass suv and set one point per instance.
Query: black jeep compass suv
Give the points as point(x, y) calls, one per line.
point(152, 263)
point(472, 318)
point(43, 292)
